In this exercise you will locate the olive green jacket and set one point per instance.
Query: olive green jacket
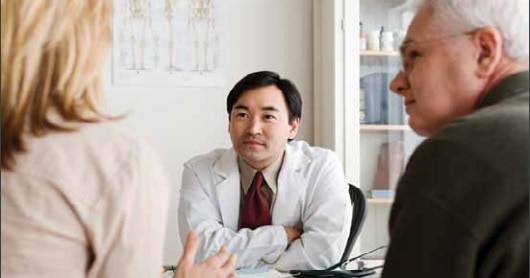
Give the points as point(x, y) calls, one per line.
point(461, 206)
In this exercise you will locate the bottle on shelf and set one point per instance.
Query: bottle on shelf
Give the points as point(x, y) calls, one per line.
point(389, 168)
point(381, 31)
point(362, 37)
point(387, 41)
point(374, 40)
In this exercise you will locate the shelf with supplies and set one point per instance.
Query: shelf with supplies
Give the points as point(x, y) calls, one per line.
point(386, 140)
point(378, 53)
point(382, 128)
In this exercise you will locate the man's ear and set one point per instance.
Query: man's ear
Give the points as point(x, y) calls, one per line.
point(294, 128)
point(490, 50)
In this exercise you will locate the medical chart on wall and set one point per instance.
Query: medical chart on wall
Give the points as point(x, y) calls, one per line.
point(167, 42)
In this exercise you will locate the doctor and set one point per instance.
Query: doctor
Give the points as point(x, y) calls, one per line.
point(272, 201)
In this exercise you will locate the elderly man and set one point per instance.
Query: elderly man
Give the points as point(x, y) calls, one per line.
point(461, 207)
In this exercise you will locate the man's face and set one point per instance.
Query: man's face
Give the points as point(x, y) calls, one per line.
point(259, 126)
point(438, 79)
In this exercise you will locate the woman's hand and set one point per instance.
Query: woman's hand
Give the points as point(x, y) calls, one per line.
point(220, 265)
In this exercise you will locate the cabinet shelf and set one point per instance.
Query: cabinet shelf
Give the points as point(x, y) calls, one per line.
point(379, 53)
point(380, 200)
point(376, 128)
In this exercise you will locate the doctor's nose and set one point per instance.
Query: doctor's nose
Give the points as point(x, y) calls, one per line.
point(254, 126)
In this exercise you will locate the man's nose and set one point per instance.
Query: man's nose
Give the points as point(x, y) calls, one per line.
point(399, 83)
point(254, 126)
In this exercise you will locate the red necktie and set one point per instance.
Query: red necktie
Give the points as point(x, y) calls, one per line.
point(255, 208)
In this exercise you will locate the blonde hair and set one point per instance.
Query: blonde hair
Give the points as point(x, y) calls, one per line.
point(52, 59)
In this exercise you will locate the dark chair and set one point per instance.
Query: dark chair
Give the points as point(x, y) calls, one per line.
point(359, 214)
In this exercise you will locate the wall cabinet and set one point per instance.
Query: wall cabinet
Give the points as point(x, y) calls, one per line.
point(356, 115)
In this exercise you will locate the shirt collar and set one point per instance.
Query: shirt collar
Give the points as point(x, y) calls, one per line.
point(270, 174)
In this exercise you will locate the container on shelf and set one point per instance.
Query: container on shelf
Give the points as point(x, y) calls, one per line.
point(387, 41)
point(380, 106)
point(374, 40)
point(362, 38)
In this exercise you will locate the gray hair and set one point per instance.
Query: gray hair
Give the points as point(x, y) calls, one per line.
point(509, 17)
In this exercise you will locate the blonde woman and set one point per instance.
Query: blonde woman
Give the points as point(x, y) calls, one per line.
point(79, 197)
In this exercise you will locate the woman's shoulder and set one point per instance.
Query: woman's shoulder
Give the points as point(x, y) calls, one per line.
point(101, 148)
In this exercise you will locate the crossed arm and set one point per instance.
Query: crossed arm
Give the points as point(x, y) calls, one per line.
point(322, 213)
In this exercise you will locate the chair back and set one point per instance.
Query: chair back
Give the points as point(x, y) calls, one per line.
point(358, 216)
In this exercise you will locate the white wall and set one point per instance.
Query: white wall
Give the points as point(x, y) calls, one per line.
point(183, 122)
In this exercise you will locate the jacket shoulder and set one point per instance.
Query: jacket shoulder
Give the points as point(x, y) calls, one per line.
point(303, 146)
point(207, 159)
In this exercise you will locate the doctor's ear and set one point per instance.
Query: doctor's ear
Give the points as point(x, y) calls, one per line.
point(490, 48)
point(294, 128)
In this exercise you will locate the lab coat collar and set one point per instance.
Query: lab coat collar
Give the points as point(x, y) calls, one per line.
point(228, 189)
point(226, 164)
point(291, 182)
point(295, 159)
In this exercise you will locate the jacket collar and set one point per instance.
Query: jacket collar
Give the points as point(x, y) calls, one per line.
point(227, 164)
point(509, 87)
point(294, 159)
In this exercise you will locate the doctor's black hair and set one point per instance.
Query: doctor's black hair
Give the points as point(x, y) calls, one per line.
point(261, 79)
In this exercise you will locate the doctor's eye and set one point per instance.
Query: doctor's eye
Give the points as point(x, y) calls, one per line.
point(241, 115)
point(270, 117)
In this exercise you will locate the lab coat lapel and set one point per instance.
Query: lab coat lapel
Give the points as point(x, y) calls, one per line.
point(291, 184)
point(228, 189)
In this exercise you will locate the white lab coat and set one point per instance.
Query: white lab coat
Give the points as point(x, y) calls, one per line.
point(312, 196)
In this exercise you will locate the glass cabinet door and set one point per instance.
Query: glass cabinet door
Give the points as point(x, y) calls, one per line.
point(386, 141)
point(356, 57)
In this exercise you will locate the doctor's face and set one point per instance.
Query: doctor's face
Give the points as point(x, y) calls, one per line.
point(259, 126)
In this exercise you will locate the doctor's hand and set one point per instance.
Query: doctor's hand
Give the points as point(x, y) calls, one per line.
point(220, 265)
point(292, 234)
